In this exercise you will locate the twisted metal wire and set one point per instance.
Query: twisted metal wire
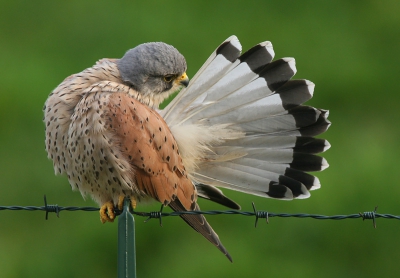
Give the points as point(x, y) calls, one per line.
point(369, 215)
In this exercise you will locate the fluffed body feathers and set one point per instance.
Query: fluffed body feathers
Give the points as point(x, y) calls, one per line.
point(240, 124)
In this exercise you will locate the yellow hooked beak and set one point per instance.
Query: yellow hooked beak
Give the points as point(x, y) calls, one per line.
point(183, 80)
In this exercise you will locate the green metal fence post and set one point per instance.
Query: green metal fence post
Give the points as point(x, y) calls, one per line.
point(126, 243)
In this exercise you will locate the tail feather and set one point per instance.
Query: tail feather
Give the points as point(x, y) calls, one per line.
point(248, 129)
point(271, 190)
point(199, 224)
point(222, 76)
point(214, 194)
point(246, 90)
point(246, 71)
point(320, 126)
point(298, 144)
point(219, 63)
point(251, 95)
point(279, 72)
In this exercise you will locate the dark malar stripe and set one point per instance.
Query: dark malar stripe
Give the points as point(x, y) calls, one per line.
point(256, 57)
point(276, 74)
point(294, 93)
point(230, 52)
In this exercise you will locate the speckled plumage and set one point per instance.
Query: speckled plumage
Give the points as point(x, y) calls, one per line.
point(240, 125)
point(110, 142)
point(76, 135)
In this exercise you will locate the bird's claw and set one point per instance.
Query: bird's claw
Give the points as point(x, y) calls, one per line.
point(107, 212)
point(121, 200)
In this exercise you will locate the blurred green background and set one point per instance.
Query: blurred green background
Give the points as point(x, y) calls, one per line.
point(349, 49)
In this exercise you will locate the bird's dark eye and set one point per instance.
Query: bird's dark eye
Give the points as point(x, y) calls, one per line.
point(169, 77)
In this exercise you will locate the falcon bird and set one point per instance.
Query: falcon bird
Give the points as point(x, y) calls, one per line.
point(240, 125)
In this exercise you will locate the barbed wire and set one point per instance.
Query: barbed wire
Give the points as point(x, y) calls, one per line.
point(369, 215)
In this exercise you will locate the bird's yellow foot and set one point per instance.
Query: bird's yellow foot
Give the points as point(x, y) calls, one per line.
point(121, 202)
point(107, 212)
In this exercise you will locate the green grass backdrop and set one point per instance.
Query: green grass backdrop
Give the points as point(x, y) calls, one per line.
point(349, 49)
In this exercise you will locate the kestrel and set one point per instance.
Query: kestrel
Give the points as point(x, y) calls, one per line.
point(239, 124)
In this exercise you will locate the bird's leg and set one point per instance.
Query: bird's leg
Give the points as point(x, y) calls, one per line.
point(107, 212)
point(121, 202)
point(133, 202)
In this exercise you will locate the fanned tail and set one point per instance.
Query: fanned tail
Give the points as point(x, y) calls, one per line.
point(259, 135)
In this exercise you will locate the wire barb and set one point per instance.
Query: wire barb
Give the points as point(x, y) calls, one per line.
point(370, 215)
point(50, 208)
point(259, 214)
point(155, 214)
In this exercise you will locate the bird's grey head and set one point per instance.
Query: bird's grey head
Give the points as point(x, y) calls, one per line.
point(153, 68)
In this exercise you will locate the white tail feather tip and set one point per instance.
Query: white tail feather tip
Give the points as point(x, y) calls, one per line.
point(324, 164)
point(268, 47)
point(304, 196)
point(310, 86)
point(292, 63)
point(316, 184)
point(235, 42)
point(327, 146)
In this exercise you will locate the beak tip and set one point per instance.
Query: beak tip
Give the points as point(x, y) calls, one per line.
point(185, 82)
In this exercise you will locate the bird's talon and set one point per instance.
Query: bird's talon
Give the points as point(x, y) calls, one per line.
point(133, 203)
point(107, 212)
point(121, 200)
